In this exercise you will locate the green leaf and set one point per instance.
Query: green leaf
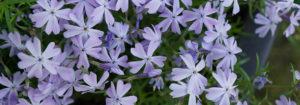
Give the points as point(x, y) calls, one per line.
point(257, 62)
point(84, 70)
point(7, 18)
point(12, 2)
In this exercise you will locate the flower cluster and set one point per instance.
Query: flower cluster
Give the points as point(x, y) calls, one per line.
point(95, 55)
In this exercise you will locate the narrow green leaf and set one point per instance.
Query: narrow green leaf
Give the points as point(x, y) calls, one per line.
point(7, 18)
point(84, 70)
point(12, 2)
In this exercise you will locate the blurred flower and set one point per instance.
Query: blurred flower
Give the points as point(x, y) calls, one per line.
point(180, 90)
point(147, 58)
point(269, 21)
point(222, 94)
point(220, 32)
point(117, 94)
point(158, 82)
point(284, 101)
point(260, 82)
point(293, 22)
point(51, 15)
point(38, 61)
point(297, 75)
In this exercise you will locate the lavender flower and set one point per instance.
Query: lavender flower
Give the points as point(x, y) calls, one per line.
point(152, 35)
point(82, 6)
point(220, 33)
point(154, 5)
point(226, 52)
point(147, 58)
point(293, 22)
point(91, 80)
point(14, 41)
point(38, 61)
point(158, 82)
point(297, 75)
point(187, 3)
point(112, 60)
point(196, 82)
point(117, 94)
point(260, 82)
point(90, 47)
point(222, 94)
point(120, 30)
point(201, 17)
point(36, 98)
point(236, 7)
point(83, 29)
point(104, 9)
point(287, 5)
point(52, 13)
point(269, 22)
point(72, 81)
point(172, 18)
point(12, 87)
point(123, 4)
point(180, 90)
point(284, 101)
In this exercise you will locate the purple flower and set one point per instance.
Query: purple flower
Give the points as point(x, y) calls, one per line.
point(196, 82)
point(180, 90)
point(152, 35)
point(82, 6)
point(36, 98)
point(236, 7)
point(223, 93)
point(117, 94)
point(287, 5)
point(147, 58)
point(220, 32)
point(104, 9)
point(269, 22)
point(112, 60)
point(123, 4)
point(201, 17)
point(293, 22)
point(14, 41)
point(52, 13)
point(72, 81)
point(260, 82)
point(83, 29)
point(172, 18)
point(12, 87)
point(91, 80)
point(84, 48)
point(284, 101)
point(120, 30)
point(154, 5)
point(297, 75)
point(226, 52)
point(242, 103)
point(38, 61)
point(158, 82)
point(187, 3)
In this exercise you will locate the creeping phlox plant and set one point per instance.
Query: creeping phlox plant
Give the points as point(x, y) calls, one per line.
point(125, 52)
